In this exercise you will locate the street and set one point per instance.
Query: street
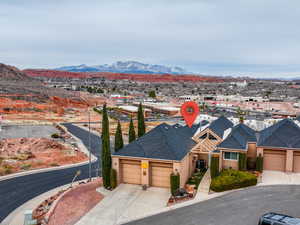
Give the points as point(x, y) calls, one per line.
point(236, 208)
point(16, 191)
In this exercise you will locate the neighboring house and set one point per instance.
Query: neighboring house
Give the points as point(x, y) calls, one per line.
point(165, 149)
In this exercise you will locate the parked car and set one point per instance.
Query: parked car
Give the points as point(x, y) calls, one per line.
point(278, 219)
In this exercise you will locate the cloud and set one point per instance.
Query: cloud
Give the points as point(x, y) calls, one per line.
point(206, 36)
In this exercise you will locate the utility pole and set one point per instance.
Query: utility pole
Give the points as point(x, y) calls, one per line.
point(90, 154)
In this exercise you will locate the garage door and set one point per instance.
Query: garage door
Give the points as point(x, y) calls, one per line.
point(296, 164)
point(274, 160)
point(131, 172)
point(160, 174)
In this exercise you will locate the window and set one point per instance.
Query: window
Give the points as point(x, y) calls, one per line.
point(203, 136)
point(266, 223)
point(211, 137)
point(230, 155)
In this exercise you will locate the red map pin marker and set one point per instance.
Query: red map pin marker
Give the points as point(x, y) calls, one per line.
point(189, 111)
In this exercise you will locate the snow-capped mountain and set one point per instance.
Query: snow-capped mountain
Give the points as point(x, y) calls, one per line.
point(125, 67)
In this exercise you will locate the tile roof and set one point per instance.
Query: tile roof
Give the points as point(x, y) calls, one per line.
point(283, 134)
point(239, 137)
point(219, 125)
point(162, 142)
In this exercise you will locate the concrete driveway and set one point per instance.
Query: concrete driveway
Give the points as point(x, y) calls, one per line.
point(125, 203)
point(276, 177)
point(235, 208)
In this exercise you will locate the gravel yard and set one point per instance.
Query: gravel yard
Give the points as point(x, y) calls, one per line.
point(27, 131)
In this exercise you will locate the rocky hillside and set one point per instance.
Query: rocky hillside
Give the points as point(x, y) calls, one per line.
point(12, 73)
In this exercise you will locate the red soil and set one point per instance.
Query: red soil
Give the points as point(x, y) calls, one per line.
point(76, 203)
point(122, 76)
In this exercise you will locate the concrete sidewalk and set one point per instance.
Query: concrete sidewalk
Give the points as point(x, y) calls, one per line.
point(277, 178)
point(127, 202)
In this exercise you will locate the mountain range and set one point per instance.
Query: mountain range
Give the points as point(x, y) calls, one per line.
point(126, 67)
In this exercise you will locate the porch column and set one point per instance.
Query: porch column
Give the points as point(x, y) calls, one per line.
point(289, 161)
point(145, 172)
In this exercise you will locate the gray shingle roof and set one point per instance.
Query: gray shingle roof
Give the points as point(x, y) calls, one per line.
point(239, 137)
point(162, 142)
point(298, 118)
point(283, 134)
point(219, 125)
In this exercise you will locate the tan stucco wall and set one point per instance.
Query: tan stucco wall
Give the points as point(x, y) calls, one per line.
point(145, 172)
point(234, 164)
point(252, 151)
point(184, 170)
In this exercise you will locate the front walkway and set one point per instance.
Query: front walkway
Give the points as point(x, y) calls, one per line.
point(127, 202)
point(277, 177)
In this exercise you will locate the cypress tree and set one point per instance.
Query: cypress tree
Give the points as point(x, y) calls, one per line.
point(141, 121)
point(118, 138)
point(106, 155)
point(131, 132)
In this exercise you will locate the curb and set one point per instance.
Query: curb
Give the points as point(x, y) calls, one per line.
point(81, 146)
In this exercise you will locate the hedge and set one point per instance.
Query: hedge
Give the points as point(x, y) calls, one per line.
point(232, 179)
point(259, 163)
point(214, 167)
point(113, 178)
point(175, 183)
point(242, 161)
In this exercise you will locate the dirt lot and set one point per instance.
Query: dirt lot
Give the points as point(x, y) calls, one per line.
point(21, 154)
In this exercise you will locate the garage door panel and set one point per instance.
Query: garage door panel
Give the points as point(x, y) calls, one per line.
point(274, 160)
point(160, 176)
point(131, 173)
point(296, 163)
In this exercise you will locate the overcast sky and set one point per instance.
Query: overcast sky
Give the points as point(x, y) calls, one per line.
point(235, 37)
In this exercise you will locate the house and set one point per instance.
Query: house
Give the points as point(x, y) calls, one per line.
point(153, 157)
point(165, 149)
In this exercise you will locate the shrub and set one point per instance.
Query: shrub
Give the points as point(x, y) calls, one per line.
point(259, 163)
point(242, 161)
point(113, 178)
point(232, 179)
point(214, 167)
point(175, 182)
point(196, 178)
point(54, 164)
point(55, 135)
point(26, 166)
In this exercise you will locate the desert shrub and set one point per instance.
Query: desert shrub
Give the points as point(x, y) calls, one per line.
point(26, 166)
point(54, 164)
point(113, 178)
point(5, 170)
point(55, 135)
point(232, 179)
point(175, 182)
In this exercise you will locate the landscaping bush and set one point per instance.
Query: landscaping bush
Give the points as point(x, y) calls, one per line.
point(259, 163)
point(55, 135)
point(175, 182)
point(242, 161)
point(214, 167)
point(113, 178)
point(232, 179)
point(196, 178)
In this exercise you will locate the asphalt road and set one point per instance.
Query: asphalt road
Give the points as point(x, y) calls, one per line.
point(237, 208)
point(15, 192)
